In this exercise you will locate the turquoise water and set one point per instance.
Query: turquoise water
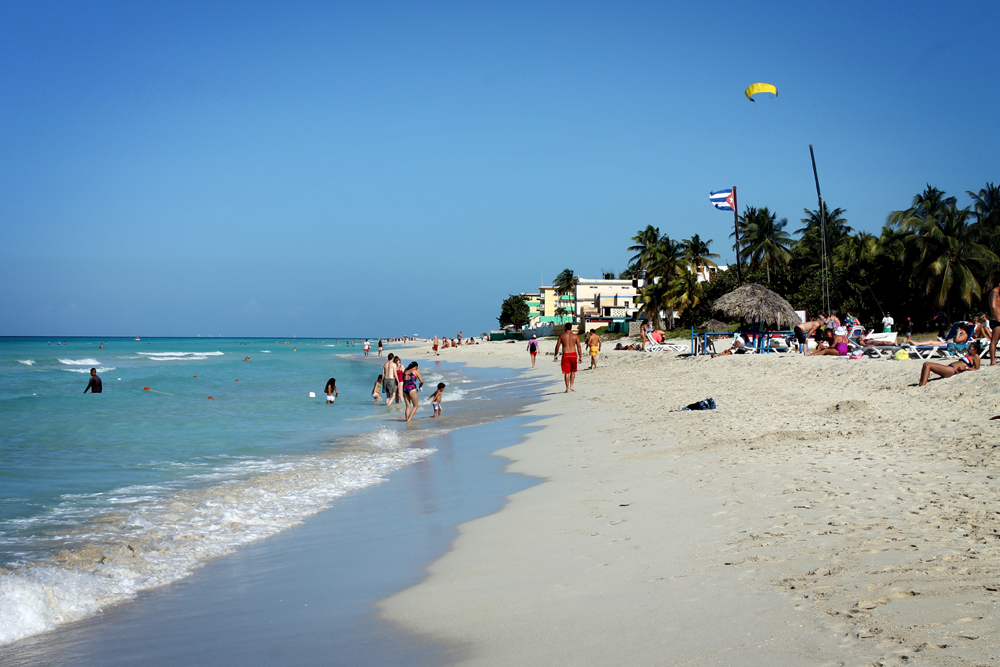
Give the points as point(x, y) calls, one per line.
point(102, 496)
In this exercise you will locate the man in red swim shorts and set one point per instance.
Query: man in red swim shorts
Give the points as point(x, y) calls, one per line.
point(570, 344)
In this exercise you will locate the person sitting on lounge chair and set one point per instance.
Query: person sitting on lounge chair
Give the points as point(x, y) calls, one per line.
point(739, 347)
point(958, 337)
point(969, 362)
point(836, 347)
point(865, 340)
point(982, 327)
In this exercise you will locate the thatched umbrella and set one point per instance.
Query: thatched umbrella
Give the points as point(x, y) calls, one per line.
point(713, 325)
point(756, 303)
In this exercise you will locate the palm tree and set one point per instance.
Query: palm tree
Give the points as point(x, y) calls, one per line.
point(665, 262)
point(986, 211)
point(646, 241)
point(809, 246)
point(764, 238)
point(853, 249)
point(943, 248)
point(565, 284)
point(698, 253)
point(685, 291)
point(986, 206)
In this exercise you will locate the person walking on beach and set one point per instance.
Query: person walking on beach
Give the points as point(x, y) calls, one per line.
point(94, 386)
point(368, 346)
point(570, 344)
point(994, 300)
point(436, 343)
point(411, 378)
point(380, 347)
point(594, 344)
point(389, 378)
point(331, 391)
point(533, 349)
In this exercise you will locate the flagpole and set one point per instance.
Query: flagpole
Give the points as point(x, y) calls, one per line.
point(736, 224)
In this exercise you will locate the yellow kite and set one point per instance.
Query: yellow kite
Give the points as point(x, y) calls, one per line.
point(755, 88)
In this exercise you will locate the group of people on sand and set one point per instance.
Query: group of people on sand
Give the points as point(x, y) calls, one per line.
point(401, 385)
point(443, 343)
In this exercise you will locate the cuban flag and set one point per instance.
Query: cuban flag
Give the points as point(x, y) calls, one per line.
point(722, 199)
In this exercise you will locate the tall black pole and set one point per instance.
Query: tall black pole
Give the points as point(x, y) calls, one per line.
point(736, 224)
point(826, 238)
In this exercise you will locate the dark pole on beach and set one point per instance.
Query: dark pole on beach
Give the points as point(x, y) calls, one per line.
point(828, 259)
point(736, 224)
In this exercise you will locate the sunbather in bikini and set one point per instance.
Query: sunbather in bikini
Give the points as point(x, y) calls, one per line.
point(969, 362)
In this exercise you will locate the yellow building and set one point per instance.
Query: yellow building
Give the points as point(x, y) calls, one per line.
point(550, 304)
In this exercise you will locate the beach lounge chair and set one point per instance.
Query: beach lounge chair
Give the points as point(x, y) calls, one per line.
point(653, 346)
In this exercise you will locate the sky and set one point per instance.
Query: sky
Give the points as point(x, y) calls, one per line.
point(362, 169)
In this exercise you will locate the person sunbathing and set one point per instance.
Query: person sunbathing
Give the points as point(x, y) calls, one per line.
point(969, 362)
point(958, 336)
point(866, 340)
point(836, 346)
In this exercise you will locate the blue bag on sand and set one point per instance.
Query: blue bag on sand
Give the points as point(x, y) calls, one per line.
point(707, 404)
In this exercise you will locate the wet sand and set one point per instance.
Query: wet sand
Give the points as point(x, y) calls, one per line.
point(829, 512)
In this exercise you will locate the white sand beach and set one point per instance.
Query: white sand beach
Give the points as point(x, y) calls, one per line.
point(829, 512)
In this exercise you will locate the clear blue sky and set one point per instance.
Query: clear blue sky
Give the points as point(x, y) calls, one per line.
point(324, 169)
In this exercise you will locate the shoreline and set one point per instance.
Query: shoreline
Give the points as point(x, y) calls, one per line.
point(467, 414)
point(828, 511)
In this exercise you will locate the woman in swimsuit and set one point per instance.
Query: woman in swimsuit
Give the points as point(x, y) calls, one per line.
point(969, 362)
point(838, 345)
point(411, 376)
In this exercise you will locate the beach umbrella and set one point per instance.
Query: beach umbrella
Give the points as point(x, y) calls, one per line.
point(713, 325)
point(755, 303)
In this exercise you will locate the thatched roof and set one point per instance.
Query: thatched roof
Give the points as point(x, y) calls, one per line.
point(713, 325)
point(756, 303)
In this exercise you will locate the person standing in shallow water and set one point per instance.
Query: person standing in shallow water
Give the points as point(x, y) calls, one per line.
point(389, 378)
point(380, 347)
point(412, 383)
point(94, 386)
point(570, 344)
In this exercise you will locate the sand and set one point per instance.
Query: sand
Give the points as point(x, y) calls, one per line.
point(829, 512)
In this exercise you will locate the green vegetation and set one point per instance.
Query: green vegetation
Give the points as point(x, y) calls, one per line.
point(930, 256)
point(514, 311)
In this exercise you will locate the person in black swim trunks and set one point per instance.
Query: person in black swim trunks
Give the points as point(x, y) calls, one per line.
point(994, 300)
point(94, 386)
point(803, 331)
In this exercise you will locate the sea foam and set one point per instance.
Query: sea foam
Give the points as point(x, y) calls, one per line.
point(80, 362)
point(160, 537)
point(26, 362)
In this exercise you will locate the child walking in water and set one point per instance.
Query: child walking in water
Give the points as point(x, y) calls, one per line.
point(436, 399)
point(377, 390)
point(331, 391)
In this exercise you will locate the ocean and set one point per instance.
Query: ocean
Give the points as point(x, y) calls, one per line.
point(189, 454)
